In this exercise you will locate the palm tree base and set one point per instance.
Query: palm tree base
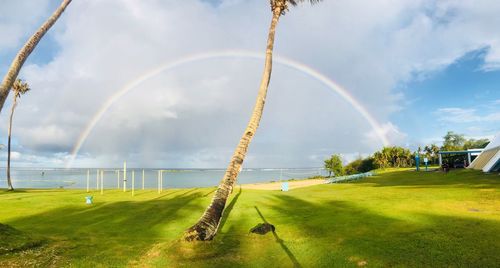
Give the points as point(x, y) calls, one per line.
point(206, 228)
point(200, 232)
point(10, 189)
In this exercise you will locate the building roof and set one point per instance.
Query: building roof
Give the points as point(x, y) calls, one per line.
point(494, 143)
point(469, 151)
point(489, 159)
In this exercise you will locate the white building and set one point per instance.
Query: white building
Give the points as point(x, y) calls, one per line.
point(489, 159)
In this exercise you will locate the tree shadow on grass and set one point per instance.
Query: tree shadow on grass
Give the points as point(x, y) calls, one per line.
point(115, 233)
point(280, 241)
point(210, 192)
point(228, 210)
point(175, 192)
point(28, 190)
point(329, 233)
point(338, 233)
point(5, 191)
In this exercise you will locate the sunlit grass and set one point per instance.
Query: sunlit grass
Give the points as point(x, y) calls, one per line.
point(397, 218)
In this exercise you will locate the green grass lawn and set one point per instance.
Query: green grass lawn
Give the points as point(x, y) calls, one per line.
point(397, 218)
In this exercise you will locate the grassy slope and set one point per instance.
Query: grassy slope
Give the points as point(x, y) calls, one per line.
point(395, 219)
point(12, 240)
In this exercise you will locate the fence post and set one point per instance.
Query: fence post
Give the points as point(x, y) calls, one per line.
point(97, 180)
point(133, 182)
point(88, 180)
point(158, 181)
point(117, 179)
point(125, 176)
point(143, 179)
point(102, 181)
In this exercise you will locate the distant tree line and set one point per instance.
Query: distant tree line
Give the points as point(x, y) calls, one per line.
point(455, 142)
point(398, 157)
point(451, 142)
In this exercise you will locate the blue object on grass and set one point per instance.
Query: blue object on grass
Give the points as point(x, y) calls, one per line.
point(284, 186)
point(417, 162)
point(88, 200)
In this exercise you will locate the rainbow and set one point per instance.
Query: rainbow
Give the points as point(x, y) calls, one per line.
point(226, 54)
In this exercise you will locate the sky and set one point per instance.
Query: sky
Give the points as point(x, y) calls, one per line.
point(417, 68)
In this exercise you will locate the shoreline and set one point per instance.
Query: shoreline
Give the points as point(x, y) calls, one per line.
point(268, 186)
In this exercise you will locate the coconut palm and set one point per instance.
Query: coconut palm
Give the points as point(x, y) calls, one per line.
point(25, 51)
point(207, 226)
point(19, 88)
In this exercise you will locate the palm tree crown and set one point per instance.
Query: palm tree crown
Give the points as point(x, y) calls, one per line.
point(282, 5)
point(20, 88)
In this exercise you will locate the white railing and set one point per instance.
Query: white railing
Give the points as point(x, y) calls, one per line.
point(348, 178)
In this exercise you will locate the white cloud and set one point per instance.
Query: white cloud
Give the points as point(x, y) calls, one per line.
point(475, 129)
point(44, 137)
point(389, 130)
point(15, 155)
point(194, 115)
point(465, 115)
point(28, 159)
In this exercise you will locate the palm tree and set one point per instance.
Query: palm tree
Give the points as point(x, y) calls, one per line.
point(25, 51)
point(435, 153)
point(207, 226)
point(19, 88)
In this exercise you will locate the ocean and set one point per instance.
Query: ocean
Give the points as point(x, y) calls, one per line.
point(76, 178)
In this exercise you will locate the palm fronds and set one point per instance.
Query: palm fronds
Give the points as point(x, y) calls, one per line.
point(20, 88)
point(281, 6)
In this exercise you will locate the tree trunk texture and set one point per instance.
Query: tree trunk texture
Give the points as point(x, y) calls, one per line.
point(9, 181)
point(208, 225)
point(25, 51)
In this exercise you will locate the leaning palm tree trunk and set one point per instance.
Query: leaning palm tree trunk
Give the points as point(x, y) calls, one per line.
point(207, 226)
point(9, 181)
point(25, 51)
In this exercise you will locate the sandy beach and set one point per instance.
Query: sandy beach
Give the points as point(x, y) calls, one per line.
point(277, 185)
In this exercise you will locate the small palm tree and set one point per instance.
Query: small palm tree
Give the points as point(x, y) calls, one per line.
point(18, 88)
point(207, 226)
point(10, 78)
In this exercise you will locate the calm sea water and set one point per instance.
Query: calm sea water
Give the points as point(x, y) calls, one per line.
point(113, 177)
